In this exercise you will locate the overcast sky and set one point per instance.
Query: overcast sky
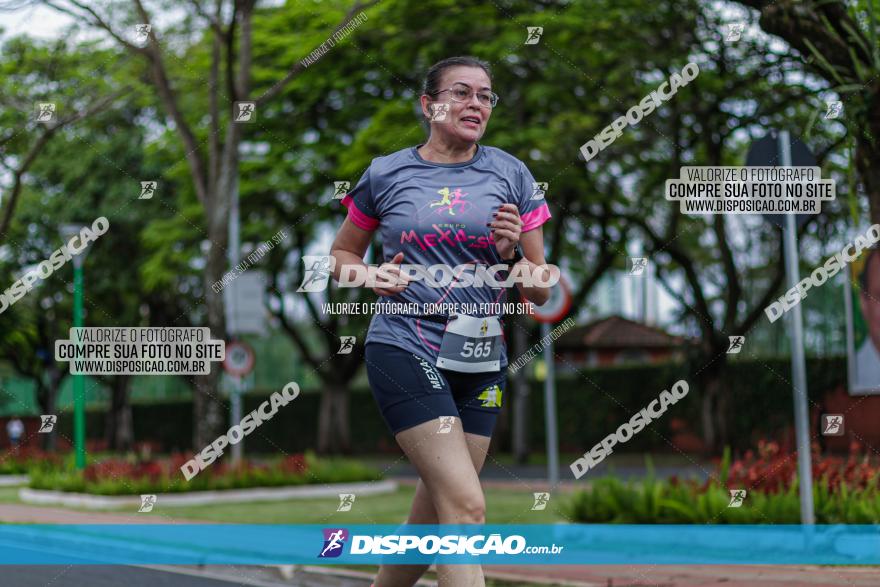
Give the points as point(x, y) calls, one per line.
point(35, 21)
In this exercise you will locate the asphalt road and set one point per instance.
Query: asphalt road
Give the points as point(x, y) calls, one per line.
point(114, 576)
point(103, 576)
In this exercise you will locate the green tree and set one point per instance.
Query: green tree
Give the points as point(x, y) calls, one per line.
point(200, 115)
point(838, 41)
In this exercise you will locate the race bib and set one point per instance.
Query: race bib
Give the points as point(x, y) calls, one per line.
point(471, 345)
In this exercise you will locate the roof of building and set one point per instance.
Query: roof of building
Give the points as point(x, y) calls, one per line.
point(617, 332)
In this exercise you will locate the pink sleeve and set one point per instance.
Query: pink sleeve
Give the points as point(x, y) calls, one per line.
point(357, 217)
point(535, 218)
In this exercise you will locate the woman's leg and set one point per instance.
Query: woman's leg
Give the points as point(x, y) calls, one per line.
point(424, 512)
point(449, 477)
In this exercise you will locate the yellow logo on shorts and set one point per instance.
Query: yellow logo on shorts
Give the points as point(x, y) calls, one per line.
point(491, 397)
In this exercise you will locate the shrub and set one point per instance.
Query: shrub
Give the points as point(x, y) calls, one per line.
point(845, 491)
point(118, 476)
point(22, 460)
point(772, 470)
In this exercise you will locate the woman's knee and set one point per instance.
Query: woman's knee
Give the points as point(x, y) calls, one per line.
point(423, 511)
point(467, 507)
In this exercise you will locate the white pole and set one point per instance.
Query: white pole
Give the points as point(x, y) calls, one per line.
point(550, 408)
point(235, 416)
point(798, 360)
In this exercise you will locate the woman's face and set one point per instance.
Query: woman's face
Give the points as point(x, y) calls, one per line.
point(464, 122)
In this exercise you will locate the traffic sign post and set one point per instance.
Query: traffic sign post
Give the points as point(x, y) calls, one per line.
point(240, 360)
point(761, 155)
point(553, 310)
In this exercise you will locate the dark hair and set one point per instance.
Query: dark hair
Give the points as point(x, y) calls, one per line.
point(863, 276)
point(435, 74)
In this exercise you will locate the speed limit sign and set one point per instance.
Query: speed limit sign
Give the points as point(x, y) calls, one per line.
point(240, 359)
point(557, 307)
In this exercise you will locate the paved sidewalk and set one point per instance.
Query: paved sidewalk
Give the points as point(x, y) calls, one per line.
point(693, 576)
point(31, 514)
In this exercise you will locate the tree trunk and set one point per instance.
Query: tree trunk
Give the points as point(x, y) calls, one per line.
point(333, 422)
point(207, 413)
point(722, 414)
point(714, 404)
point(118, 429)
point(707, 408)
point(208, 405)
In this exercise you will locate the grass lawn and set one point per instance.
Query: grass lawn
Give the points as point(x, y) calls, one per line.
point(504, 506)
point(9, 494)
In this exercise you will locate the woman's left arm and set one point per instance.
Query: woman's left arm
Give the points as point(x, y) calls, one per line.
point(507, 232)
point(532, 244)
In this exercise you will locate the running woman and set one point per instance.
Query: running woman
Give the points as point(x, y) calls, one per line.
point(439, 381)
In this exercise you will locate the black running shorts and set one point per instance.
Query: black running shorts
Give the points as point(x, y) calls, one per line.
point(411, 390)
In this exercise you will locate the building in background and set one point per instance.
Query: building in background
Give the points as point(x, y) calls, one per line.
point(616, 340)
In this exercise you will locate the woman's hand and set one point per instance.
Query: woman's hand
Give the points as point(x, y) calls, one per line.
point(388, 278)
point(506, 228)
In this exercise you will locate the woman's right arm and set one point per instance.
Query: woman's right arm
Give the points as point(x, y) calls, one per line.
point(349, 248)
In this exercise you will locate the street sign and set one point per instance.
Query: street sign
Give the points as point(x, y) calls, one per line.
point(240, 359)
point(244, 300)
point(765, 153)
point(557, 307)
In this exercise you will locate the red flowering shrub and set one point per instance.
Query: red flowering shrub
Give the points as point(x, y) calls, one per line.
point(19, 460)
point(156, 470)
point(773, 470)
point(116, 476)
point(294, 464)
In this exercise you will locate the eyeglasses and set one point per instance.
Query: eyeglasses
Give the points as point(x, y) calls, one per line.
point(463, 93)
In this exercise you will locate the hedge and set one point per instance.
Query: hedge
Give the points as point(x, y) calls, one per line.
point(591, 404)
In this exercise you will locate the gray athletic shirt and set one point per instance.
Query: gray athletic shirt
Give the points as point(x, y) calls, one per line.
point(437, 213)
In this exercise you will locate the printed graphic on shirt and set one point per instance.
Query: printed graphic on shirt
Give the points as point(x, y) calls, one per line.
point(446, 235)
point(450, 200)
